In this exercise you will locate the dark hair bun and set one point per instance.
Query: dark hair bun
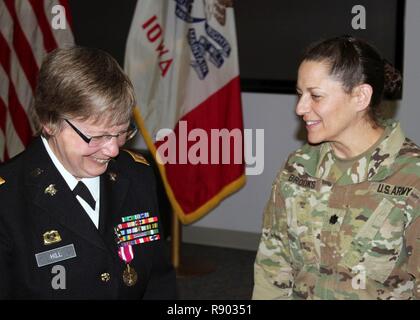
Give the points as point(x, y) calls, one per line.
point(392, 81)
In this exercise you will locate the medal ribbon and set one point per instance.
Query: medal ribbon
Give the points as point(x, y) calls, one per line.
point(139, 235)
point(136, 217)
point(137, 223)
point(142, 240)
point(126, 253)
point(137, 229)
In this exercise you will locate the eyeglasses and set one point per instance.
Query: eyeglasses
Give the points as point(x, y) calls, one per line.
point(97, 141)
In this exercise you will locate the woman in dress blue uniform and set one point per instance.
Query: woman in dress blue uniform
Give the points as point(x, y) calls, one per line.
point(79, 217)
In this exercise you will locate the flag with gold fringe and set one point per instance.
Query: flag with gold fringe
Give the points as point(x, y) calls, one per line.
point(182, 58)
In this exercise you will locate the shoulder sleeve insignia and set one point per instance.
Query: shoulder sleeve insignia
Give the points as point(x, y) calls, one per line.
point(2, 181)
point(137, 157)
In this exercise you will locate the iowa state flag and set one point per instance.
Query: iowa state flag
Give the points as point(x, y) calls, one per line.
point(182, 58)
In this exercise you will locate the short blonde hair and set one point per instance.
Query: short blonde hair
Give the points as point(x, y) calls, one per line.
point(83, 83)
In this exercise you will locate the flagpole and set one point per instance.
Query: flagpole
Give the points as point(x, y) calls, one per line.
point(173, 59)
point(176, 236)
point(187, 266)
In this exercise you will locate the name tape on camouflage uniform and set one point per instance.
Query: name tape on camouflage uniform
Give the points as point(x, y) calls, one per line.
point(302, 182)
point(394, 190)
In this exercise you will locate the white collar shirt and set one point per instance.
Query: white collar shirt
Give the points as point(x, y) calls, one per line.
point(91, 183)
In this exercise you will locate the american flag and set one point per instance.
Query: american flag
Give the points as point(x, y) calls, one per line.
point(28, 30)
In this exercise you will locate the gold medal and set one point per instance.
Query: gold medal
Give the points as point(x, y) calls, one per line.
point(129, 276)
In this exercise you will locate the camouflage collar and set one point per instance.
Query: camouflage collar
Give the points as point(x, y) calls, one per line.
point(375, 167)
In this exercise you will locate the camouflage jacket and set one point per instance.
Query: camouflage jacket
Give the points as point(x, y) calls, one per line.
point(343, 235)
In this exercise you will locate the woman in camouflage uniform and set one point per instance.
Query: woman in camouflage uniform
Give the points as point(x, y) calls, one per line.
point(343, 218)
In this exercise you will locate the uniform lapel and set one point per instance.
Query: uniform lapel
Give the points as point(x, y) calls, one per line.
point(114, 188)
point(49, 191)
point(116, 202)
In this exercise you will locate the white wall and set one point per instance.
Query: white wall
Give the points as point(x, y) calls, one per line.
point(274, 113)
point(409, 111)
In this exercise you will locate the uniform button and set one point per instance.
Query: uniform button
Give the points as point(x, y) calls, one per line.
point(105, 277)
